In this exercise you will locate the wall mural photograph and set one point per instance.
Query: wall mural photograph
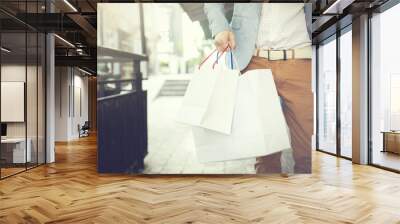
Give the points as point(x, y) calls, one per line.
point(216, 91)
point(127, 111)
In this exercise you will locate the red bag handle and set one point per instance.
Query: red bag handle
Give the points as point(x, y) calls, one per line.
point(218, 56)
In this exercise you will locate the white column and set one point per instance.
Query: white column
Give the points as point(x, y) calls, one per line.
point(50, 92)
point(360, 90)
point(50, 99)
point(314, 91)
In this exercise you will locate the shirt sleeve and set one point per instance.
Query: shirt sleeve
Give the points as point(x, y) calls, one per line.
point(216, 17)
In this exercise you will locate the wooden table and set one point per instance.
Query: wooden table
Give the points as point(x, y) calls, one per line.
point(391, 141)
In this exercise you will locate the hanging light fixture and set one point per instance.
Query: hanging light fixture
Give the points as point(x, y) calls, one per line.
point(5, 50)
point(70, 5)
point(338, 6)
point(84, 71)
point(64, 40)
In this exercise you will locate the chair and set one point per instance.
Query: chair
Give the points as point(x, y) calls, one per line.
point(84, 130)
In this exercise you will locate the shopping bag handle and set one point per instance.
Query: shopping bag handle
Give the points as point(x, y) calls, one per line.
point(217, 56)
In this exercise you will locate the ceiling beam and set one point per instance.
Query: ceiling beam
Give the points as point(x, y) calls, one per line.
point(337, 7)
point(84, 24)
point(77, 61)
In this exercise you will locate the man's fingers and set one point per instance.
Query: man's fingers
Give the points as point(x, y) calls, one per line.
point(221, 40)
point(232, 41)
point(220, 48)
point(232, 44)
point(224, 38)
point(220, 45)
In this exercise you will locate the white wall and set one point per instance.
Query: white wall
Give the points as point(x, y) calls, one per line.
point(70, 83)
point(62, 81)
point(79, 117)
point(12, 73)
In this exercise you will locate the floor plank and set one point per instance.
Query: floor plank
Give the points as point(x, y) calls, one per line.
point(71, 191)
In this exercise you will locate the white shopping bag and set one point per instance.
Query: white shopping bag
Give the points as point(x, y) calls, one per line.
point(210, 97)
point(258, 129)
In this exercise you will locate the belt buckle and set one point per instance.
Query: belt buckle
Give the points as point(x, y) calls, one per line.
point(275, 59)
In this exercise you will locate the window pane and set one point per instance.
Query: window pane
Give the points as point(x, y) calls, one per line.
point(13, 86)
point(327, 97)
point(394, 101)
point(386, 89)
point(31, 100)
point(346, 94)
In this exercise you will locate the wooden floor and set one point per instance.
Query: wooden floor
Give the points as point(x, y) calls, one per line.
point(71, 191)
point(387, 159)
point(5, 172)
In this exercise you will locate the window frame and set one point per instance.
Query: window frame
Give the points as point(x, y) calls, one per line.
point(334, 37)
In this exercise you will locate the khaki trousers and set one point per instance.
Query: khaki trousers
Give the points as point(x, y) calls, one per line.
point(293, 83)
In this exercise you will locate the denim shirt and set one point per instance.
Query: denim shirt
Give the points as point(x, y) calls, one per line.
point(244, 24)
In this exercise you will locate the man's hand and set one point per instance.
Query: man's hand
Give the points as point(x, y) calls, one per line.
point(224, 38)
